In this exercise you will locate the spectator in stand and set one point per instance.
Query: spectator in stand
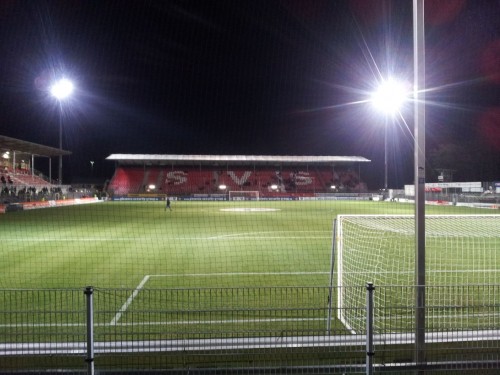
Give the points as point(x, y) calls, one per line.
point(9, 180)
point(4, 181)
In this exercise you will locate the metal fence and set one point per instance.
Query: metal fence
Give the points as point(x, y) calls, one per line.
point(279, 330)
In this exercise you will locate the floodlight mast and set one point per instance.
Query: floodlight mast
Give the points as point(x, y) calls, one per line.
point(389, 98)
point(61, 90)
point(419, 179)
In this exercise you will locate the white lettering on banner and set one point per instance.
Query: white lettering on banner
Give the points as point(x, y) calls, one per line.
point(240, 181)
point(303, 178)
point(176, 177)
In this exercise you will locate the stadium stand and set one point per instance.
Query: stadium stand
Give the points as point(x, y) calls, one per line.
point(28, 180)
point(127, 180)
point(207, 178)
point(19, 178)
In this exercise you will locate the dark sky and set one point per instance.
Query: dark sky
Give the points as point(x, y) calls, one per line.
point(283, 77)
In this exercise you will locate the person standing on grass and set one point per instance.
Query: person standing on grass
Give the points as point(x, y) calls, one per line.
point(167, 205)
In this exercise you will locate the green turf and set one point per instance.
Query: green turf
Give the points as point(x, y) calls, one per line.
point(172, 258)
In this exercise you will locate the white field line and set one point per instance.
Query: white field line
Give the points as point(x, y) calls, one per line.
point(200, 238)
point(159, 323)
point(129, 300)
point(270, 235)
point(427, 271)
point(228, 321)
point(235, 236)
point(241, 274)
point(170, 239)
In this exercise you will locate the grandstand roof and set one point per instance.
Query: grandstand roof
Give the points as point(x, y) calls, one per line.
point(17, 145)
point(156, 159)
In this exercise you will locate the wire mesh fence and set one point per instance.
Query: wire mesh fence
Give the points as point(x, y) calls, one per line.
point(238, 330)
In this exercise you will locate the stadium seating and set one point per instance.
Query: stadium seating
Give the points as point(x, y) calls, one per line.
point(176, 181)
point(28, 180)
point(126, 180)
point(184, 180)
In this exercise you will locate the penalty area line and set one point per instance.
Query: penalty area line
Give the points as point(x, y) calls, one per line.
point(298, 273)
point(129, 301)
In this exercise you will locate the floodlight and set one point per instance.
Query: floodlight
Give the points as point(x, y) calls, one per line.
point(222, 187)
point(62, 89)
point(390, 96)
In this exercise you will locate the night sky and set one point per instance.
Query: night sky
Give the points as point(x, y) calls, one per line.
point(283, 77)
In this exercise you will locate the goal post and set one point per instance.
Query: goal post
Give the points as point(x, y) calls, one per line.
point(460, 250)
point(243, 195)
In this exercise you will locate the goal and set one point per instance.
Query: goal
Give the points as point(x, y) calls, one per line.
point(241, 195)
point(460, 250)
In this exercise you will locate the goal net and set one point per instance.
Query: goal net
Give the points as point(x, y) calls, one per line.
point(460, 250)
point(243, 195)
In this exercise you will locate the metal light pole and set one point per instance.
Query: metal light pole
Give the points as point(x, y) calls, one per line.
point(384, 99)
point(385, 156)
point(59, 178)
point(419, 183)
point(61, 90)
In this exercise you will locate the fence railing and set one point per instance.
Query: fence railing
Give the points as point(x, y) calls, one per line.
point(243, 330)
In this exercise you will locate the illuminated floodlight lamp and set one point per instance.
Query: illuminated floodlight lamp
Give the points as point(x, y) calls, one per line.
point(6, 155)
point(390, 96)
point(274, 187)
point(152, 187)
point(222, 187)
point(62, 89)
point(333, 187)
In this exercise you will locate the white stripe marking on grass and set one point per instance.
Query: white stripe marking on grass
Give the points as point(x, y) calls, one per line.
point(236, 236)
point(255, 238)
point(160, 323)
point(129, 300)
point(226, 321)
point(241, 274)
point(250, 209)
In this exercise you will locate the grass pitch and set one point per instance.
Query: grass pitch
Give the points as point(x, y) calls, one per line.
point(197, 244)
point(201, 262)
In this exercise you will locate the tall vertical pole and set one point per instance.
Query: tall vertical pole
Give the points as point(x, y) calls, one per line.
point(419, 118)
point(330, 284)
point(89, 291)
point(60, 144)
point(385, 157)
point(369, 328)
point(50, 170)
point(61, 90)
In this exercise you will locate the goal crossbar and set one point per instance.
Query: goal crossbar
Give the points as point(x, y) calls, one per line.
point(244, 195)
